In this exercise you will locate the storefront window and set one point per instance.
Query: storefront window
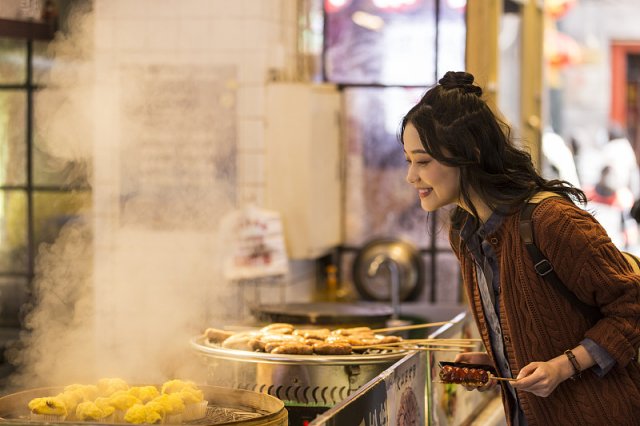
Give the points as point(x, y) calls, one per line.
point(13, 61)
point(39, 192)
point(386, 54)
point(375, 42)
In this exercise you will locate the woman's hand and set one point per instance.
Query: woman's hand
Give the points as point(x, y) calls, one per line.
point(476, 358)
point(541, 378)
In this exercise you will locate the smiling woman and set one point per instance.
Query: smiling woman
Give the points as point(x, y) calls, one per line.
point(459, 153)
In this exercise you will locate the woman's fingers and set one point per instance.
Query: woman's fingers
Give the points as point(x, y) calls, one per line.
point(539, 378)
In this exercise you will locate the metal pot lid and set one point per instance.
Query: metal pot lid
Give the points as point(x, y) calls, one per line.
point(324, 313)
point(372, 279)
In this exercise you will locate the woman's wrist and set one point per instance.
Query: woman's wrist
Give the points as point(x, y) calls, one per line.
point(582, 361)
point(577, 369)
point(564, 366)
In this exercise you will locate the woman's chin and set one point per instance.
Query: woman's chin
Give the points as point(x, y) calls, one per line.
point(429, 205)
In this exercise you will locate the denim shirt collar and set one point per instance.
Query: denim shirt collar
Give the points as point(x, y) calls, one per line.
point(473, 239)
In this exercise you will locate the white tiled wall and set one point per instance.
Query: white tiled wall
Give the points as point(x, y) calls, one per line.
point(258, 36)
point(257, 39)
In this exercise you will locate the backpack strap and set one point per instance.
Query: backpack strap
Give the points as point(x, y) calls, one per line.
point(543, 267)
point(633, 261)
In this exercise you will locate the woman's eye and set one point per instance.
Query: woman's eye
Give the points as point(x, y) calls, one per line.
point(418, 162)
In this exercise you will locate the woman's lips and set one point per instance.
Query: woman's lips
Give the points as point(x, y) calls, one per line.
point(424, 193)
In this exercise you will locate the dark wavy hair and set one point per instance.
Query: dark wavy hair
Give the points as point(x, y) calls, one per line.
point(458, 129)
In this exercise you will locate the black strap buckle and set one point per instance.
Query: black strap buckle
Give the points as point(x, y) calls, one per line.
point(543, 267)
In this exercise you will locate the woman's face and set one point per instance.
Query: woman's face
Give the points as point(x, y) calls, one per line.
point(437, 184)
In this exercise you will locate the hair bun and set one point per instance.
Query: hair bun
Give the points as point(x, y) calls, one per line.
point(460, 80)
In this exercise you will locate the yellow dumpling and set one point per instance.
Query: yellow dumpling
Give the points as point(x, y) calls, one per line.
point(144, 393)
point(89, 410)
point(195, 407)
point(122, 400)
point(157, 407)
point(190, 396)
point(139, 414)
point(108, 386)
point(50, 405)
point(103, 401)
point(88, 392)
point(172, 403)
point(172, 386)
point(70, 399)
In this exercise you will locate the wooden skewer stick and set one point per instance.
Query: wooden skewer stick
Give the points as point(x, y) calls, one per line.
point(438, 341)
point(436, 349)
point(506, 379)
point(400, 348)
point(441, 340)
point(412, 327)
point(412, 345)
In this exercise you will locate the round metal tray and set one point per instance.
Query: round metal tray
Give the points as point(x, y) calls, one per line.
point(239, 355)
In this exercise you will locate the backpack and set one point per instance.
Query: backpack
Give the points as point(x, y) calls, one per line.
point(545, 269)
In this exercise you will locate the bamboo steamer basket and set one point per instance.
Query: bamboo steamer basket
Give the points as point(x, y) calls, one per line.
point(265, 409)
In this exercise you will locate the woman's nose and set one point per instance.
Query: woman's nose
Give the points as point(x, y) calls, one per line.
point(411, 175)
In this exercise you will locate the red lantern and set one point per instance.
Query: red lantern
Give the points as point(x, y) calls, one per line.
point(561, 50)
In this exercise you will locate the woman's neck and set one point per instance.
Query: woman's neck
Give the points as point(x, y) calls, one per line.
point(482, 209)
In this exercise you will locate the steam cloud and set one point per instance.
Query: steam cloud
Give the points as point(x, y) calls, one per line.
point(126, 285)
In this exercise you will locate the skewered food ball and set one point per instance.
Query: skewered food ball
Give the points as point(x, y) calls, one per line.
point(464, 375)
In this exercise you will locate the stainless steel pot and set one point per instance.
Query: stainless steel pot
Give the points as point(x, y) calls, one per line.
point(295, 379)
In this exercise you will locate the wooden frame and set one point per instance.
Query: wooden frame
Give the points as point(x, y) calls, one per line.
point(25, 30)
point(619, 52)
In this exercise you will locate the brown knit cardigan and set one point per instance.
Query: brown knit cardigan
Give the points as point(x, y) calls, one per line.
point(539, 323)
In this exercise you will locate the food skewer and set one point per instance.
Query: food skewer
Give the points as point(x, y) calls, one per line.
point(430, 349)
point(286, 339)
point(464, 342)
point(470, 376)
point(506, 379)
point(411, 327)
point(412, 343)
point(411, 348)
